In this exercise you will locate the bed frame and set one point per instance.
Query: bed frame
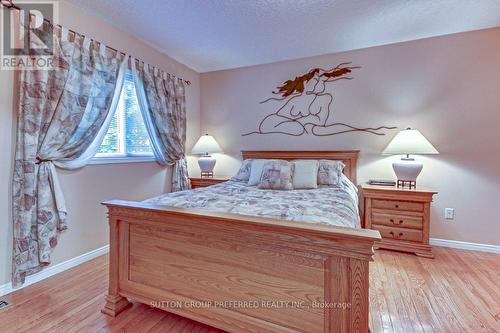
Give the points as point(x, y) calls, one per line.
point(242, 273)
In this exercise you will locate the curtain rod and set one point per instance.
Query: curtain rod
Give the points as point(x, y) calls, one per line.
point(10, 5)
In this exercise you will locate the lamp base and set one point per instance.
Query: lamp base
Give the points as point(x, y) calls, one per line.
point(407, 183)
point(207, 174)
point(207, 164)
point(407, 171)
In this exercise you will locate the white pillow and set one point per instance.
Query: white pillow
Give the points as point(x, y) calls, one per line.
point(305, 175)
point(256, 172)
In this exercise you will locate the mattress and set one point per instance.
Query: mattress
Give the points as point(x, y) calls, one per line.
point(336, 206)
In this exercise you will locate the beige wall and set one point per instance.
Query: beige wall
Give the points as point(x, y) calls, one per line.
point(447, 87)
point(86, 188)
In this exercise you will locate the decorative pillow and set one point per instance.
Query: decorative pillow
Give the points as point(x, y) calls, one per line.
point(329, 172)
point(243, 173)
point(256, 171)
point(305, 175)
point(277, 175)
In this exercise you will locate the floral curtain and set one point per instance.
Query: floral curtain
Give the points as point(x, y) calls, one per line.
point(162, 102)
point(63, 113)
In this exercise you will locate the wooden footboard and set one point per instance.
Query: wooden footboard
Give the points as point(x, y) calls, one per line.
point(239, 273)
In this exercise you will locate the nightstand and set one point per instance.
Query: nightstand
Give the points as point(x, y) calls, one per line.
point(402, 216)
point(197, 182)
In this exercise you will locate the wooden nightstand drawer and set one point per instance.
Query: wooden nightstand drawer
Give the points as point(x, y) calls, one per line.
point(395, 220)
point(411, 235)
point(399, 205)
point(401, 215)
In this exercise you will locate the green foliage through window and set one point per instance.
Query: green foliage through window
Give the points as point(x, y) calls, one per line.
point(127, 134)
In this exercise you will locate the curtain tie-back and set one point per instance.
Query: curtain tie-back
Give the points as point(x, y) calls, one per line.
point(40, 160)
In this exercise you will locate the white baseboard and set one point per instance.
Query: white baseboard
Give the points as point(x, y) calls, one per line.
point(465, 245)
point(58, 268)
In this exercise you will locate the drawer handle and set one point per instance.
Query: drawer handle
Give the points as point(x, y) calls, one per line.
point(397, 206)
point(396, 223)
point(396, 236)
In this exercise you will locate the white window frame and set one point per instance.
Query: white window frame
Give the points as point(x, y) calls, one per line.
point(112, 158)
point(122, 159)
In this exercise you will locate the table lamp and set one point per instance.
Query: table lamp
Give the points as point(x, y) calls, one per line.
point(205, 146)
point(406, 142)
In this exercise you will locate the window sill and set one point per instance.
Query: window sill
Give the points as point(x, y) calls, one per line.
point(119, 160)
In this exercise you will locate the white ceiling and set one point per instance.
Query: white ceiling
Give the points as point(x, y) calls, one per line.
point(209, 35)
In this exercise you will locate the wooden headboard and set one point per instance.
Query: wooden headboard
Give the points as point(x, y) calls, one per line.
point(349, 157)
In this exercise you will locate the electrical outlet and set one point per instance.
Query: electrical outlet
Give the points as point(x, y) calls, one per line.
point(449, 213)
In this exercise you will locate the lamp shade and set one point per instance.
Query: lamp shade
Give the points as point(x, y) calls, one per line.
point(409, 141)
point(206, 144)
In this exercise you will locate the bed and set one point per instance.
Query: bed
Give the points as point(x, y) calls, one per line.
point(210, 255)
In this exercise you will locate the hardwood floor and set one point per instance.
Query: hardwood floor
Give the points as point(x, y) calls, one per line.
point(459, 291)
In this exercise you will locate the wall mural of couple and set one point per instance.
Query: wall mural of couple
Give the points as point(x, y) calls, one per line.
point(305, 106)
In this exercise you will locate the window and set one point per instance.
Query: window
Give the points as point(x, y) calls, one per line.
point(127, 138)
